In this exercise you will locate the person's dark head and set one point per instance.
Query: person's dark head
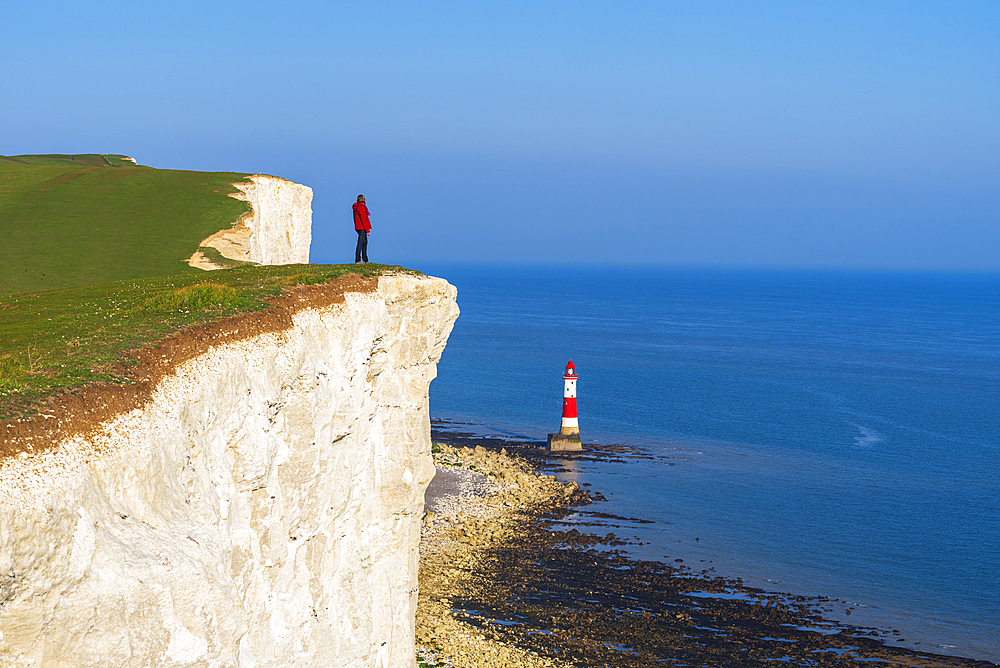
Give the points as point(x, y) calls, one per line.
point(361, 198)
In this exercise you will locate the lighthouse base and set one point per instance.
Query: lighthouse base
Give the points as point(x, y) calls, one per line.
point(562, 443)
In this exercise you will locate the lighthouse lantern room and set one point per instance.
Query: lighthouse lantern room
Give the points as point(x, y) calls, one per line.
point(568, 438)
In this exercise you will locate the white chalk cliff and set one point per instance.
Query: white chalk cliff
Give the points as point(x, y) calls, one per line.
point(276, 230)
point(262, 509)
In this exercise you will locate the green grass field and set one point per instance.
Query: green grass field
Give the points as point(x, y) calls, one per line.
point(76, 219)
point(94, 266)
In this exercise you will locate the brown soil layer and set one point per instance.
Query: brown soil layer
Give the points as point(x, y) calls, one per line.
point(575, 599)
point(84, 409)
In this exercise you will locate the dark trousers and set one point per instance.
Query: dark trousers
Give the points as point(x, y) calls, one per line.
point(361, 252)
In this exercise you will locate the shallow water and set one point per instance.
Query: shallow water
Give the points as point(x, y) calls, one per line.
point(822, 433)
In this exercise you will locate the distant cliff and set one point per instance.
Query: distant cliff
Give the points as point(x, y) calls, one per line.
point(69, 220)
point(277, 230)
point(261, 509)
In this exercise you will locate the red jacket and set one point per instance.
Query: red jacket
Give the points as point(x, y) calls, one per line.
point(361, 217)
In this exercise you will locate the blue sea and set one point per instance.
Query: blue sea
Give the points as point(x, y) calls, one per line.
point(826, 434)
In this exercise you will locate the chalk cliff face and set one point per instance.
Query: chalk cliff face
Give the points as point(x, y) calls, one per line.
point(278, 229)
point(262, 509)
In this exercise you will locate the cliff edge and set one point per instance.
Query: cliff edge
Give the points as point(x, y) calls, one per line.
point(261, 508)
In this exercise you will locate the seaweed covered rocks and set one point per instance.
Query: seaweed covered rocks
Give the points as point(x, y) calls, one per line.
point(506, 580)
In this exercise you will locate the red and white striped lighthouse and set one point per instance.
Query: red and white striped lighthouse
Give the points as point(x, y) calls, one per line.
point(568, 437)
point(570, 424)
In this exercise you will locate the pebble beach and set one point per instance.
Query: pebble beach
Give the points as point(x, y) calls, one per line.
point(504, 581)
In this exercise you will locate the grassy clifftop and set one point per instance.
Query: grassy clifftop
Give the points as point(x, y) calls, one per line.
point(56, 340)
point(70, 220)
point(93, 273)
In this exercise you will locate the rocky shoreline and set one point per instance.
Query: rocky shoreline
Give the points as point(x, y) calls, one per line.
point(478, 502)
point(502, 583)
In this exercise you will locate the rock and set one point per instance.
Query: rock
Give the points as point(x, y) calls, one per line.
point(263, 509)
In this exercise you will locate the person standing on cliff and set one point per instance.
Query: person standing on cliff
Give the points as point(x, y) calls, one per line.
point(363, 227)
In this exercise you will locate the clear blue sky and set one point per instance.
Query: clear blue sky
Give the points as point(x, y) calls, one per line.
point(778, 134)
